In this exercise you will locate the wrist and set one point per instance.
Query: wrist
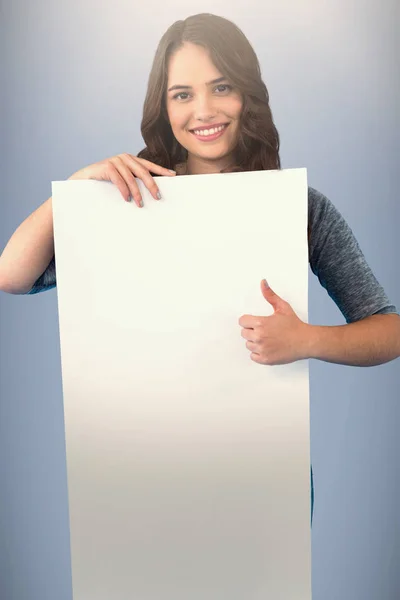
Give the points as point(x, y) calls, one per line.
point(312, 341)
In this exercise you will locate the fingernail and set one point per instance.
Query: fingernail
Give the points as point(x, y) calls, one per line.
point(266, 283)
point(171, 171)
point(141, 203)
point(159, 195)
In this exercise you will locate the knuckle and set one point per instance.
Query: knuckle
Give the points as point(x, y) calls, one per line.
point(142, 174)
point(115, 174)
point(109, 164)
point(130, 178)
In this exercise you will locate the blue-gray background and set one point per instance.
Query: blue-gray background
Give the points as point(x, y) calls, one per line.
point(73, 79)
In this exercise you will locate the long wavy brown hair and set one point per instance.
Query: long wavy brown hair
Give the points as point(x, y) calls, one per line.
point(258, 143)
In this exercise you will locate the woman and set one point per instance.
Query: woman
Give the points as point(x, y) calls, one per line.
point(207, 111)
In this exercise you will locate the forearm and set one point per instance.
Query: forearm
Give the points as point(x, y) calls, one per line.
point(369, 342)
point(28, 252)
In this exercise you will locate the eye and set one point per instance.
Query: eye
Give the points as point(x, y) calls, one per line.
point(223, 87)
point(181, 96)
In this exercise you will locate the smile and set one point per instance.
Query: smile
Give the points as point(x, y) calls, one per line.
point(208, 135)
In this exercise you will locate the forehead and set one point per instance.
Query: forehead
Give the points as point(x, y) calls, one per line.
point(191, 64)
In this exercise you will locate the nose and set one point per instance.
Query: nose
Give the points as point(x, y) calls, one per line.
point(205, 110)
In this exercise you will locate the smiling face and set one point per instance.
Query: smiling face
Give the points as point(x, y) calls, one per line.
point(203, 109)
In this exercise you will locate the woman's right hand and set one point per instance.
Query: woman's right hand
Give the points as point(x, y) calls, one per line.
point(122, 171)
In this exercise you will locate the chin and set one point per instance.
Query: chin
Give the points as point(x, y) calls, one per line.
point(211, 153)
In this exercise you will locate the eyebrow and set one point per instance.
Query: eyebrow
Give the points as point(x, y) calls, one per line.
point(189, 87)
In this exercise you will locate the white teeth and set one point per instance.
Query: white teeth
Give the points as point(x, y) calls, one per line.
point(212, 131)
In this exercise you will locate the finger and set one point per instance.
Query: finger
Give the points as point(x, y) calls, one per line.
point(129, 179)
point(255, 357)
point(250, 335)
point(272, 297)
point(153, 168)
point(249, 321)
point(253, 347)
point(142, 173)
point(115, 178)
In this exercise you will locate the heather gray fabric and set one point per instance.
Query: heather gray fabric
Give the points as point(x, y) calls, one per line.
point(338, 262)
point(335, 258)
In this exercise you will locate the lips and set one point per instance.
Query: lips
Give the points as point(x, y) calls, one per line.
point(210, 133)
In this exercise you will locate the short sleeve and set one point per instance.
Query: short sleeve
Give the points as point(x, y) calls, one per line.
point(338, 262)
point(47, 280)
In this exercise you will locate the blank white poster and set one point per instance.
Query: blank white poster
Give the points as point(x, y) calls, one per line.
point(188, 463)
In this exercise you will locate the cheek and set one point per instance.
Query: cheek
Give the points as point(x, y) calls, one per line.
point(237, 107)
point(233, 108)
point(177, 117)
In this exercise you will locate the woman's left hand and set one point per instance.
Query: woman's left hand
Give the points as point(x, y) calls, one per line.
point(279, 339)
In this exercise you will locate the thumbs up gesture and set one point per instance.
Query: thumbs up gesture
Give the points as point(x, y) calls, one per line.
point(279, 339)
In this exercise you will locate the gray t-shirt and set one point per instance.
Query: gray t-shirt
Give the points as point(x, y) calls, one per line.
point(335, 258)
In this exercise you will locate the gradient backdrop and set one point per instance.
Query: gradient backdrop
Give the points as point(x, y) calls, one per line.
point(73, 79)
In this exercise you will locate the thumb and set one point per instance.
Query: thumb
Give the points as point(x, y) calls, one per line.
point(270, 296)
